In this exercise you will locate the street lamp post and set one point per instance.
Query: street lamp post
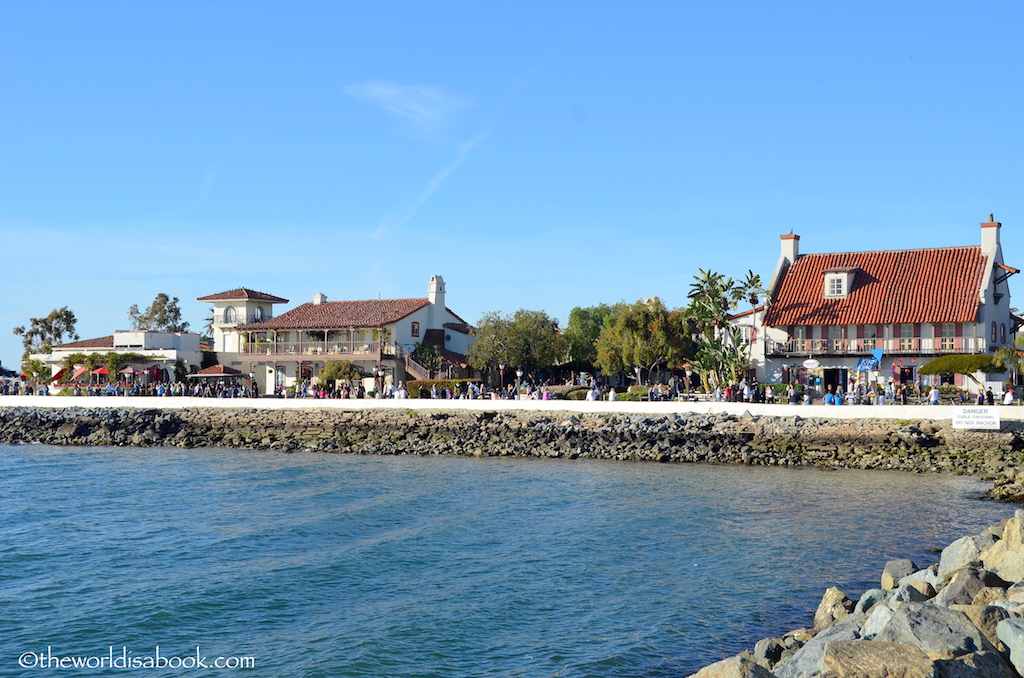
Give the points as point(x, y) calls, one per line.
point(501, 371)
point(637, 370)
point(519, 376)
point(252, 384)
point(380, 389)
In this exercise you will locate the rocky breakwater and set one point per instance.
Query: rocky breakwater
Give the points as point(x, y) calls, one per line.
point(919, 445)
point(961, 617)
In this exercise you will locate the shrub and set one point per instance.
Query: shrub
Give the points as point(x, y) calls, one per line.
point(565, 392)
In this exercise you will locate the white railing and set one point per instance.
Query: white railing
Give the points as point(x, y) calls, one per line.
point(891, 346)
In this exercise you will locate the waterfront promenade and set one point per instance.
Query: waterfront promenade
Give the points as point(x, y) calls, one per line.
point(895, 412)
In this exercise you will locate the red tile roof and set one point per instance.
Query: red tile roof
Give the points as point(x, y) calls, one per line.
point(99, 342)
point(893, 286)
point(454, 358)
point(340, 314)
point(243, 293)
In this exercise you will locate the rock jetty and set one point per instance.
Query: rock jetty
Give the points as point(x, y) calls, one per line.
point(960, 617)
point(910, 445)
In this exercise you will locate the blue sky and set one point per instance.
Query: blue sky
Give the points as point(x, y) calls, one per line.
point(537, 155)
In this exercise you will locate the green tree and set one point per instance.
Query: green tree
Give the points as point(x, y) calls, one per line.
point(340, 369)
point(1012, 356)
point(36, 370)
point(42, 334)
point(645, 334)
point(584, 328)
point(721, 352)
point(180, 371)
point(163, 315)
point(429, 356)
point(965, 364)
point(526, 340)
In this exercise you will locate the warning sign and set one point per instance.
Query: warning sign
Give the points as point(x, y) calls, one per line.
point(976, 417)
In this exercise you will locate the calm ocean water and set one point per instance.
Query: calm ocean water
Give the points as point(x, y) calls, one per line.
point(336, 565)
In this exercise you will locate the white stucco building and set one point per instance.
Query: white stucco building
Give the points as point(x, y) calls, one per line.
point(879, 315)
point(375, 334)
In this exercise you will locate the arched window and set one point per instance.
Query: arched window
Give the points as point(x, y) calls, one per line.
point(257, 314)
point(230, 315)
point(415, 329)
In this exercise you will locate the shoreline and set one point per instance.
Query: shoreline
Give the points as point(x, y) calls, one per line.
point(919, 439)
point(898, 412)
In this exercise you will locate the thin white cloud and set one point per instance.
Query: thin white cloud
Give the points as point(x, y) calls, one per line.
point(423, 110)
point(204, 190)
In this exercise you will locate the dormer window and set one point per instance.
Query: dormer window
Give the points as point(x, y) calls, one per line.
point(838, 282)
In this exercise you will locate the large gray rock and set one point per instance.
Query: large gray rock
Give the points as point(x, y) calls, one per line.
point(975, 665)
point(769, 651)
point(961, 589)
point(834, 605)
point(913, 592)
point(964, 552)
point(807, 660)
point(1006, 556)
point(929, 574)
point(877, 620)
point(733, 667)
point(1011, 633)
point(986, 618)
point(869, 659)
point(941, 633)
point(895, 570)
point(870, 598)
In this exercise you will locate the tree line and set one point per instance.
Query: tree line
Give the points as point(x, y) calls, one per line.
point(621, 337)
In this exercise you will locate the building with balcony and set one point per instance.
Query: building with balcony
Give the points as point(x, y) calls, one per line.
point(376, 335)
point(881, 315)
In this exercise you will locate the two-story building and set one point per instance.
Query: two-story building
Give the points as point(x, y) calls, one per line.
point(881, 315)
point(377, 335)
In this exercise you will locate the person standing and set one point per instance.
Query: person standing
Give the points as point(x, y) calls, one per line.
point(933, 395)
point(1008, 396)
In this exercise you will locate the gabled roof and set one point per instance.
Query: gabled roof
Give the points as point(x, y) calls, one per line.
point(892, 286)
point(340, 314)
point(99, 342)
point(243, 294)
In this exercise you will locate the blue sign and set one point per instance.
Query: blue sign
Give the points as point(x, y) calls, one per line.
point(867, 364)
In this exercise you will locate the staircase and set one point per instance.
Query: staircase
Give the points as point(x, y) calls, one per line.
point(411, 365)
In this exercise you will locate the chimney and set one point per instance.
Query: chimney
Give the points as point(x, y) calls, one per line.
point(319, 298)
point(435, 294)
point(990, 236)
point(790, 247)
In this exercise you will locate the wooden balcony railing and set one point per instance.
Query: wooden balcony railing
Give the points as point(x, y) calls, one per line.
point(367, 349)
